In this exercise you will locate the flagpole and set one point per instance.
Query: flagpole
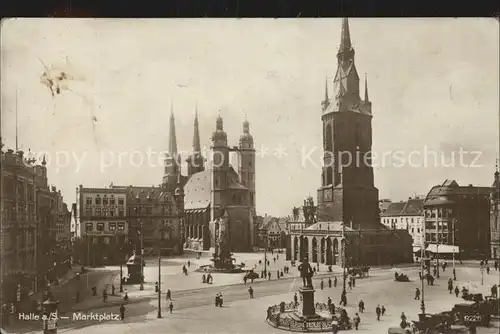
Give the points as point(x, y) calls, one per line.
point(17, 127)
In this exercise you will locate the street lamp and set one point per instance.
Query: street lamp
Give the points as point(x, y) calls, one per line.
point(422, 254)
point(453, 237)
point(263, 235)
point(482, 274)
point(121, 269)
point(343, 246)
point(141, 287)
point(159, 281)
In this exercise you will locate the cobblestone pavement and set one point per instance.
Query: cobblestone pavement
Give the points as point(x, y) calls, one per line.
point(194, 311)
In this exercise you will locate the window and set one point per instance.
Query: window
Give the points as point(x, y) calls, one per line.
point(120, 212)
point(121, 226)
point(98, 200)
point(418, 230)
point(100, 226)
point(89, 227)
point(120, 201)
point(112, 226)
point(328, 138)
point(412, 230)
point(89, 200)
point(112, 200)
point(105, 200)
point(250, 164)
point(112, 213)
point(88, 211)
point(97, 211)
point(216, 182)
point(412, 221)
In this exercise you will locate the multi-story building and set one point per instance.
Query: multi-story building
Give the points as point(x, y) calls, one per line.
point(101, 225)
point(408, 216)
point(348, 204)
point(460, 216)
point(494, 217)
point(155, 214)
point(32, 215)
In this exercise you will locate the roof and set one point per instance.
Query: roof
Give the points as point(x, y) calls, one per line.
point(332, 226)
point(197, 191)
point(148, 194)
point(414, 207)
point(449, 190)
point(384, 204)
point(394, 209)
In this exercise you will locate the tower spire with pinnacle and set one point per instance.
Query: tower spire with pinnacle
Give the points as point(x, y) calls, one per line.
point(172, 143)
point(345, 36)
point(196, 135)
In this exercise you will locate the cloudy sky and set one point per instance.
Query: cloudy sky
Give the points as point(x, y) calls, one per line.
point(434, 85)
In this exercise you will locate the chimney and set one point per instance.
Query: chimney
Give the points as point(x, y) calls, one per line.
point(470, 185)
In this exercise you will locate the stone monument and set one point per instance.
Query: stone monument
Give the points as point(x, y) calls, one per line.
point(306, 309)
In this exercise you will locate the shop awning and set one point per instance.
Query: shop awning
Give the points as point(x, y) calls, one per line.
point(443, 249)
point(417, 249)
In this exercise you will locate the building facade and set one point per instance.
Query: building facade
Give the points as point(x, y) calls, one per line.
point(408, 216)
point(218, 188)
point(101, 225)
point(494, 217)
point(348, 211)
point(33, 218)
point(460, 216)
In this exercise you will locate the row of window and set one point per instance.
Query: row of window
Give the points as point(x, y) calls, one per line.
point(101, 227)
point(105, 200)
point(401, 219)
point(104, 212)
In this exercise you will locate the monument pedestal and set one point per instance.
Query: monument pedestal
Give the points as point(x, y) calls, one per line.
point(307, 309)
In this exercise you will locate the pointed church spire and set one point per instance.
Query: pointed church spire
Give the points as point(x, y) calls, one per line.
point(196, 135)
point(366, 89)
point(326, 89)
point(345, 36)
point(172, 144)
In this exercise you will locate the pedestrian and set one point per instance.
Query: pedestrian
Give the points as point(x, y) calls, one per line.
point(335, 282)
point(494, 291)
point(274, 259)
point(216, 300)
point(322, 284)
point(156, 287)
point(295, 298)
point(457, 291)
point(221, 300)
point(356, 321)
point(383, 310)
point(189, 263)
point(278, 274)
point(171, 307)
point(329, 282)
point(269, 275)
point(122, 312)
point(245, 279)
point(203, 279)
point(495, 265)
point(281, 274)
point(487, 269)
point(417, 294)
point(112, 289)
point(353, 282)
point(329, 302)
point(335, 326)
point(350, 285)
point(125, 298)
point(378, 311)
point(450, 286)
point(169, 295)
point(403, 320)
point(361, 306)
point(104, 295)
point(250, 292)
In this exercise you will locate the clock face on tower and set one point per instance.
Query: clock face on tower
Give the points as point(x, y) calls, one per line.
point(327, 195)
point(217, 159)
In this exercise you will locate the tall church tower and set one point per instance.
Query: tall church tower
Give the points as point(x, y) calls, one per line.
point(247, 163)
point(219, 169)
point(195, 162)
point(172, 168)
point(347, 191)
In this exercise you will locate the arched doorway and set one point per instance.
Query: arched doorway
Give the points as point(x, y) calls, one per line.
point(304, 248)
point(295, 248)
point(314, 250)
point(335, 251)
point(322, 250)
point(329, 252)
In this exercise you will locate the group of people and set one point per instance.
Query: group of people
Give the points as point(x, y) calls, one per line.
point(207, 279)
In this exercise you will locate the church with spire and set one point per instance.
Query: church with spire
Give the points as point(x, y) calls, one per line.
point(213, 189)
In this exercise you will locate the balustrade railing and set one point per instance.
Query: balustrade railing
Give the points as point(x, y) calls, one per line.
point(277, 317)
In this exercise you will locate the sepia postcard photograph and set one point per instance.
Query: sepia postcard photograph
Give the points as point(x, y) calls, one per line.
point(250, 175)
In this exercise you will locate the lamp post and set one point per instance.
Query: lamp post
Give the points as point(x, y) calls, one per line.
point(343, 245)
point(159, 281)
point(263, 235)
point(141, 287)
point(422, 254)
point(482, 274)
point(453, 237)
point(121, 269)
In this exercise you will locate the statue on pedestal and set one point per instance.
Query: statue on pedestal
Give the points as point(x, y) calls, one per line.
point(306, 272)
